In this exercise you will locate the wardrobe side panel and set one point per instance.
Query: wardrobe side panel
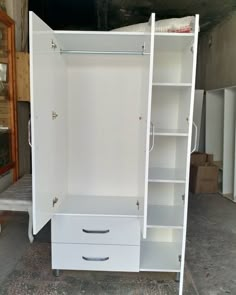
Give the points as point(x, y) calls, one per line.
point(214, 124)
point(228, 142)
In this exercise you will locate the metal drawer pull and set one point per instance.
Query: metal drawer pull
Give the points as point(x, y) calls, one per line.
point(95, 231)
point(95, 258)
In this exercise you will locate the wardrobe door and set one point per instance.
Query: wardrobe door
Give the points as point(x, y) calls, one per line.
point(48, 122)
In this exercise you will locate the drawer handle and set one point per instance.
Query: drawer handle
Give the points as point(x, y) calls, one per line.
point(95, 258)
point(95, 231)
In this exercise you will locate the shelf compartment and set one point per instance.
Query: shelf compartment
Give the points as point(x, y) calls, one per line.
point(170, 132)
point(119, 206)
point(171, 107)
point(166, 194)
point(160, 256)
point(168, 175)
point(165, 216)
point(89, 41)
point(173, 62)
point(174, 41)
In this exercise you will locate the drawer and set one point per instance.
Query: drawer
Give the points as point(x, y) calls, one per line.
point(95, 257)
point(95, 230)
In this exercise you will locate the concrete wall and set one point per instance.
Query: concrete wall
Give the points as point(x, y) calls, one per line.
point(217, 56)
point(18, 11)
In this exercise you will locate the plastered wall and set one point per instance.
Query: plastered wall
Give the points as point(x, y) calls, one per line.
point(217, 56)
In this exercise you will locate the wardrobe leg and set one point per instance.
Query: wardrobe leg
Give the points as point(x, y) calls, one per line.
point(177, 277)
point(56, 272)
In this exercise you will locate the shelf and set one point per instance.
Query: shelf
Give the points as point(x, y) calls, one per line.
point(173, 34)
point(3, 97)
point(117, 206)
point(160, 84)
point(160, 256)
point(170, 132)
point(169, 175)
point(165, 216)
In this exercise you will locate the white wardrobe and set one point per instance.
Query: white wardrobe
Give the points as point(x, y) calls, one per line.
point(111, 124)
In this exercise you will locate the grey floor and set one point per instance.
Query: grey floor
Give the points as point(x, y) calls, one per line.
point(210, 253)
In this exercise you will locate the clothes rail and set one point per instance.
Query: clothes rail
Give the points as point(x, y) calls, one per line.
point(104, 52)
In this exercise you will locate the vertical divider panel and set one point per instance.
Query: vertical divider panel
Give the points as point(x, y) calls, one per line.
point(195, 46)
point(148, 123)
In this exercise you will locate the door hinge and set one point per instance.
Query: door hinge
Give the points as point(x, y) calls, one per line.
point(53, 45)
point(180, 258)
point(54, 115)
point(54, 201)
point(137, 204)
point(192, 49)
point(183, 198)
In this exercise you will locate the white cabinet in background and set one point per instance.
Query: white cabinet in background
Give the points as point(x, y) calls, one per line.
point(111, 120)
point(220, 136)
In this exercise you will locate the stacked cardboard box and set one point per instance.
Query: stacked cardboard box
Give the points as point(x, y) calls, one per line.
point(203, 174)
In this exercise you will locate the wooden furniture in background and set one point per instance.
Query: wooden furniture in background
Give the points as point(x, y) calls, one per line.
point(22, 76)
point(18, 197)
point(8, 118)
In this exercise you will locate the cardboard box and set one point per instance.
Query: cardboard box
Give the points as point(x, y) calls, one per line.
point(204, 179)
point(200, 159)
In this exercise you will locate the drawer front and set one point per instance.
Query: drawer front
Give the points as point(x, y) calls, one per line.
point(95, 230)
point(95, 257)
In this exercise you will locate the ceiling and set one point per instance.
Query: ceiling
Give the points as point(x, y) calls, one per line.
point(109, 14)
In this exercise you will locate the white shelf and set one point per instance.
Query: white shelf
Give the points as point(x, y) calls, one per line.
point(160, 256)
point(165, 216)
point(170, 132)
point(168, 175)
point(118, 206)
point(160, 84)
point(173, 34)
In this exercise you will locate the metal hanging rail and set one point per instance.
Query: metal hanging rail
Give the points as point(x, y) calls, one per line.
point(62, 51)
point(104, 52)
point(141, 52)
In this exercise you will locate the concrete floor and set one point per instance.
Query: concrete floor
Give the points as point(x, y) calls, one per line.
point(210, 255)
point(211, 244)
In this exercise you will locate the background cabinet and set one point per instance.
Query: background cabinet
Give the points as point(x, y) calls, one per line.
point(220, 136)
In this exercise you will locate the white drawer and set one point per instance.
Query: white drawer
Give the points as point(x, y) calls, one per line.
point(95, 257)
point(95, 230)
